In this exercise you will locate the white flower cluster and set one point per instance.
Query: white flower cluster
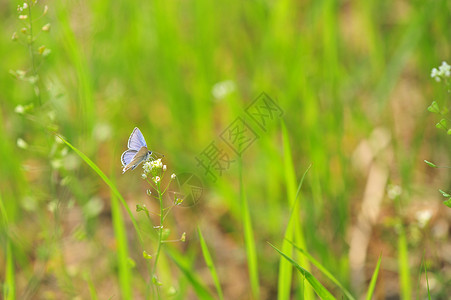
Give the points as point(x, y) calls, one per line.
point(21, 8)
point(156, 169)
point(152, 166)
point(442, 72)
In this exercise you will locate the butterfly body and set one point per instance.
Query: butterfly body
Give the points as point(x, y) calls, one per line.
point(137, 151)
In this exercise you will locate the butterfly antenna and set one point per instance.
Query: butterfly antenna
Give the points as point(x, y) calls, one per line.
point(158, 153)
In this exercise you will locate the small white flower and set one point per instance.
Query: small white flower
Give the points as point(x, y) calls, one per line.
point(25, 5)
point(19, 109)
point(445, 69)
point(156, 179)
point(149, 192)
point(394, 191)
point(147, 167)
point(423, 217)
point(143, 175)
point(164, 167)
point(22, 144)
point(23, 17)
point(434, 73)
point(223, 88)
point(173, 176)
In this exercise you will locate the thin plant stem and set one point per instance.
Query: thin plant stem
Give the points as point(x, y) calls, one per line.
point(30, 43)
point(160, 236)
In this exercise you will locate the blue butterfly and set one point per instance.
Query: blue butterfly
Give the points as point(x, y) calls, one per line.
point(137, 151)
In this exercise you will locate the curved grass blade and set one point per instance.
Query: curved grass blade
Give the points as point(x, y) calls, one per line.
point(427, 280)
point(249, 239)
point(320, 267)
point(108, 182)
point(124, 275)
point(210, 264)
point(9, 286)
point(294, 229)
point(200, 290)
point(319, 289)
point(403, 264)
point(372, 286)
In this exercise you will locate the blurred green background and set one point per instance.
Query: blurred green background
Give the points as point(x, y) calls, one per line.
point(353, 81)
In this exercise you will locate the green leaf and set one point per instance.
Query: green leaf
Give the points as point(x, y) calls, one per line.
point(444, 194)
point(372, 286)
point(146, 255)
point(200, 290)
point(447, 203)
point(9, 285)
point(108, 182)
point(294, 229)
point(320, 267)
point(319, 289)
point(443, 124)
point(427, 280)
point(249, 239)
point(403, 265)
point(210, 264)
point(434, 108)
point(122, 257)
point(430, 164)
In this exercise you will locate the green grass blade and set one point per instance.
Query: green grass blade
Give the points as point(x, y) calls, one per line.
point(74, 51)
point(91, 286)
point(319, 289)
point(200, 290)
point(9, 286)
point(427, 280)
point(122, 250)
point(294, 229)
point(210, 264)
point(320, 267)
point(403, 264)
point(249, 239)
point(372, 286)
point(108, 182)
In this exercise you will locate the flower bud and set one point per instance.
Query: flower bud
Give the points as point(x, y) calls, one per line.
point(46, 27)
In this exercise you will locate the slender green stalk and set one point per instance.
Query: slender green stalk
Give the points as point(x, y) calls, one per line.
point(30, 43)
point(160, 239)
point(372, 286)
point(404, 268)
point(120, 233)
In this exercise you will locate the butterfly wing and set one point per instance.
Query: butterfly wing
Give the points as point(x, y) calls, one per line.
point(127, 156)
point(136, 140)
point(139, 157)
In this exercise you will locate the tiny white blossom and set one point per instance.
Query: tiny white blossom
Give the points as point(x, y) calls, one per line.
point(19, 109)
point(143, 176)
point(423, 217)
point(23, 17)
point(445, 69)
point(223, 88)
point(156, 179)
point(394, 191)
point(149, 192)
point(164, 167)
point(435, 74)
point(147, 167)
point(25, 5)
point(22, 144)
point(173, 176)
